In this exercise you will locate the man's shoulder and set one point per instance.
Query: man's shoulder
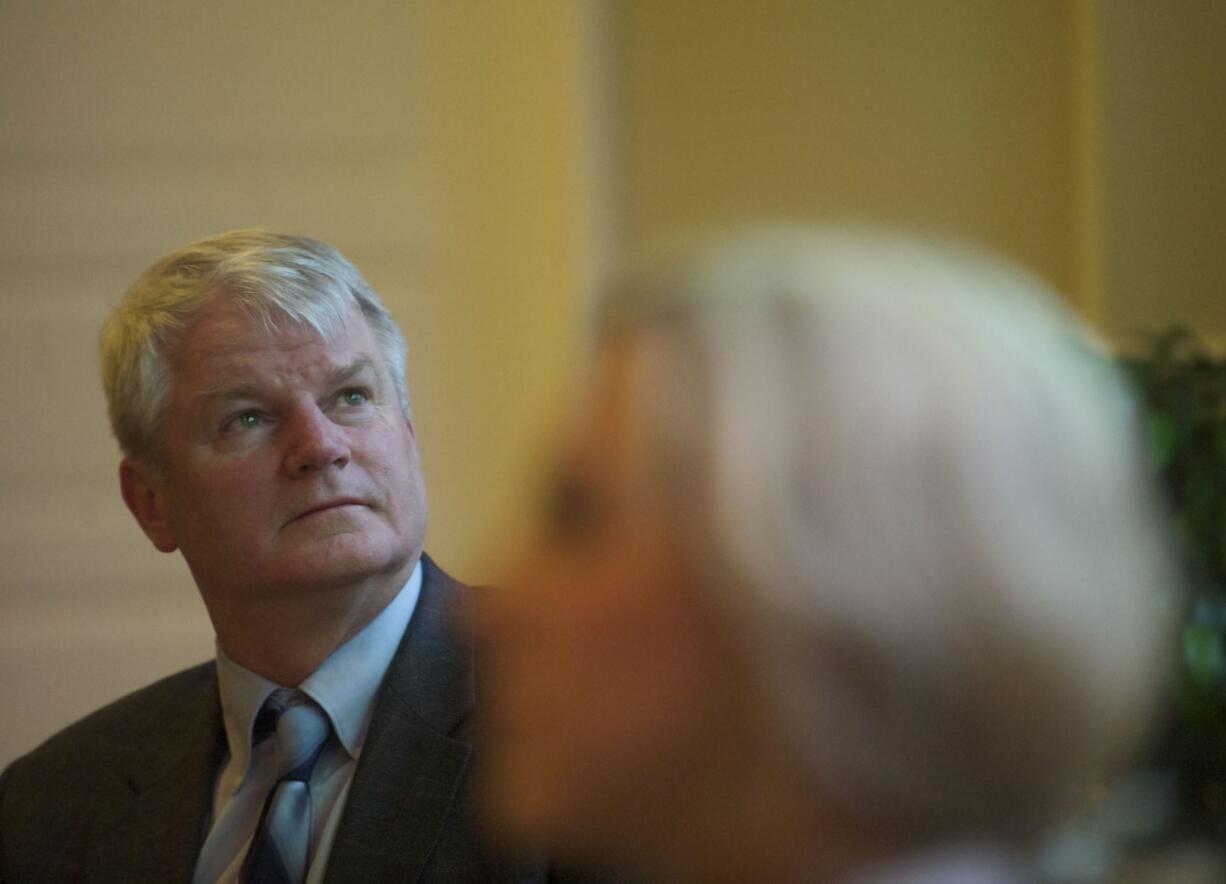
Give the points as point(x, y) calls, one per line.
point(452, 600)
point(118, 726)
point(69, 810)
point(439, 581)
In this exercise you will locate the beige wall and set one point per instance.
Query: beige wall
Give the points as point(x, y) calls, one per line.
point(502, 117)
point(1163, 107)
point(941, 114)
point(1084, 138)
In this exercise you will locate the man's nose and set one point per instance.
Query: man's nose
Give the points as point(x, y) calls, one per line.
point(315, 443)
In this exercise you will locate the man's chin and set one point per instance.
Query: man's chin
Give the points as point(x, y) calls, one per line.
point(338, 561)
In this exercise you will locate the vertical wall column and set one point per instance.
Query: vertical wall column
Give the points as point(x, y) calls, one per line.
point(507, 151)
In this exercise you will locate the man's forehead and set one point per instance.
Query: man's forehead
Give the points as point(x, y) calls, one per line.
point(225, 327)
point(226, 346)
point(329, 373)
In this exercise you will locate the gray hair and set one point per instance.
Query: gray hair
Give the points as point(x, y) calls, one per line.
point(275, 277)
point(919, 483)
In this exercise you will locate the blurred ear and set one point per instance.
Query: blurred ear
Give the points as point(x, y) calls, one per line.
point(143, 492)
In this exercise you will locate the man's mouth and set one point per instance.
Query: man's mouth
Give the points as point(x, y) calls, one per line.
point(325, 506)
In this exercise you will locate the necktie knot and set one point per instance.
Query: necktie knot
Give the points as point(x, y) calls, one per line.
point(302, 730)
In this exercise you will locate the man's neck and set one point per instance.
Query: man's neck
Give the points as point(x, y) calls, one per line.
point(286, 638)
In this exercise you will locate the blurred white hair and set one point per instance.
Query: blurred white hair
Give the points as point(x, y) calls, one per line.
point(919, 482)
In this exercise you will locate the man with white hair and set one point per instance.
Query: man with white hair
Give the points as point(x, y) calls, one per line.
point(256, 385)
point(851, 572)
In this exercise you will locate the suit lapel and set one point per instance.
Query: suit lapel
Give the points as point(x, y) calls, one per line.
point(412, 764)
point(158, 834)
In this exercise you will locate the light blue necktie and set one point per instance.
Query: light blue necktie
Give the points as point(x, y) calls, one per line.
point(280, 849)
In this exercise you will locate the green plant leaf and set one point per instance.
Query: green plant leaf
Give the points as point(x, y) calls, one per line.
point(1163, 434)
point(1204, 655)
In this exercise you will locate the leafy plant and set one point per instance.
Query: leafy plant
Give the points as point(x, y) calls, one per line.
point(1184, 388)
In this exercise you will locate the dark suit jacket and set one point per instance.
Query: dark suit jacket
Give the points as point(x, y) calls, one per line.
point(125, 794)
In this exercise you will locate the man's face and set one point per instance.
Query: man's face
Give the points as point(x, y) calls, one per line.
point(289, 467)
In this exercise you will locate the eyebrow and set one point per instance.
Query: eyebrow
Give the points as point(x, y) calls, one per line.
point(336, 377)
point(346, 373)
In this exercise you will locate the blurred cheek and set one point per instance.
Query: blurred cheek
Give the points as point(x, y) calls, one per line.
point(600, 673)
point(550, 630)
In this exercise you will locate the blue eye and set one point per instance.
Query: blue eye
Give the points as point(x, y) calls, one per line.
point(244, 421)
point(248, 419)
point(354, 397)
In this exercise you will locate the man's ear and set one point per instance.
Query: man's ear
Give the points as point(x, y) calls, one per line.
point(142, 490)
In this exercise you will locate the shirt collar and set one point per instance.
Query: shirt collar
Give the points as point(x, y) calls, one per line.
point(242, 694)
point(344, 685)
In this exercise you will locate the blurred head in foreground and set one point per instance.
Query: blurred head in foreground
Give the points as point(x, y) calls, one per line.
point(849, 553)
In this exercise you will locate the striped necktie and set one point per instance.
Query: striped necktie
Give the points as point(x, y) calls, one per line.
point(280, 849)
